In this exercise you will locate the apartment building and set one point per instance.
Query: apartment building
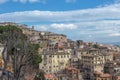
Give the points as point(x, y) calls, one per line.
point(93, 60)
point(112, 67)
point(102, 76)
point(70, 73)
point(58, 37)
point(54, 61)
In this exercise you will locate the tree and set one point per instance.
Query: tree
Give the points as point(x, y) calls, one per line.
point(37, 59)
point(95, 46)
point(39, 75)
point(18, 48)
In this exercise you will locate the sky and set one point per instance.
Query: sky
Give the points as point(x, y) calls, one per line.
point(87, 20)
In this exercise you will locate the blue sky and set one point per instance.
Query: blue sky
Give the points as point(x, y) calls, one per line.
point(88, 20)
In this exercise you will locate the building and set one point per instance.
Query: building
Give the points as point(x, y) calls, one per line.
point(70, 44)
point(8, 23)
point(54, 61)
point(50, 77)
point(58, 38)
point(116, 77)
point(92, 60)
point(70, 73)
point(112, 67)
point(102, 76)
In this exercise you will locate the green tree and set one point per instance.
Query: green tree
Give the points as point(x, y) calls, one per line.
point(39, 75)
point(95, 46)
point(37, 59)
point(19, 50)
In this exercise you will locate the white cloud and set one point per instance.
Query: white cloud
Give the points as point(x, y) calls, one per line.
point(99, 22)
point(41, 1)
point(64, 26)
point(90, 36)
point(31, 1)
point(56, 27)
point(40, 27)
point(96, 14)
point(115, 34)
point(3, 1)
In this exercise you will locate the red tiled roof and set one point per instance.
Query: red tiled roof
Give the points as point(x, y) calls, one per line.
point(97, 73)
point(50, 76)
point(105, 75)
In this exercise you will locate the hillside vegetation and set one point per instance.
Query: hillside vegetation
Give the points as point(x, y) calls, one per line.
point(18, 51)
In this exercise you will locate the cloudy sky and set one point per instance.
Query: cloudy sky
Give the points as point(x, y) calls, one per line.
point(88, 20)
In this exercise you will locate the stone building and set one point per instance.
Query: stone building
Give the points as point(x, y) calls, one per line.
point(102, 76)
point(58, 37)
point(112, 67)
point(54, 61)
point(70, 73)
point(92, 60)
point(50, 77)
point(8, 23)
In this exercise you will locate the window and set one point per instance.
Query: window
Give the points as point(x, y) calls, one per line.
point(98, 58)
point(50, 61)
point(50, 56)
point(68, 56)
point(49, 66)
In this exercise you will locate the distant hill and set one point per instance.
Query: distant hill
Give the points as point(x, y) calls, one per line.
point(114, 43)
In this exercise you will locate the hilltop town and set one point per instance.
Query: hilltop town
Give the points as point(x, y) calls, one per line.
point(65, 59)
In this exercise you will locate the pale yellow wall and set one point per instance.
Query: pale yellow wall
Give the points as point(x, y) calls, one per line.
point(53, 63)
point(96, 60)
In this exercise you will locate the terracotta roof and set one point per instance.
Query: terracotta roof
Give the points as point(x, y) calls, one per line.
point(72, 69)
point(105, 75)
point(118, 77)
point(97, 73)
point(50, 76)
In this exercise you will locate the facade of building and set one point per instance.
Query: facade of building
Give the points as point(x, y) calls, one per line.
point(102, 76)
point(53, 62)
point(50, 77)
point(92, 60)
point(58, 38)
point(112, 67)
point(70, 73)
